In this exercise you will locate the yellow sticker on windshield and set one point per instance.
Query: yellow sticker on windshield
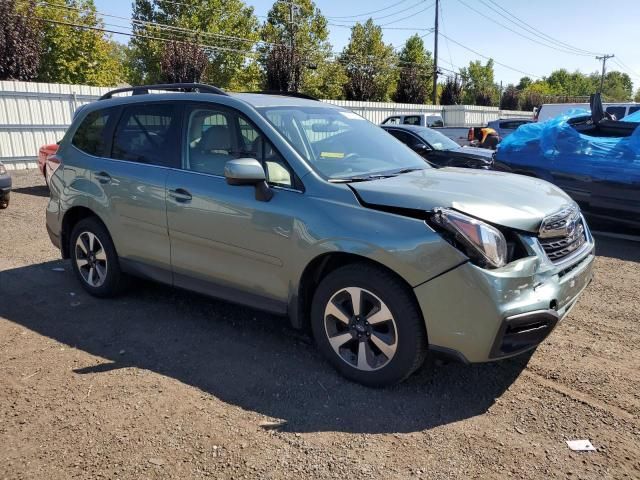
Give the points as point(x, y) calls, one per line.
point(332, 154)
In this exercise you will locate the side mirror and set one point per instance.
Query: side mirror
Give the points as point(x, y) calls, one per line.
point(421, 148)
point(248, 171)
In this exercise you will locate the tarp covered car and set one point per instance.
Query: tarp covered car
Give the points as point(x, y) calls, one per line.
point(596, 160)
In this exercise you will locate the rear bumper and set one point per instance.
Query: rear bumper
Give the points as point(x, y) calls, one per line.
point(482, 315)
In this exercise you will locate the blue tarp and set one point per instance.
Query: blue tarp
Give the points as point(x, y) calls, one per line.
point(633, 117)
point(556, 145)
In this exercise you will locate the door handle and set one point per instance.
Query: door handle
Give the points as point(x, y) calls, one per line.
point(103, 177)
point(180, 195)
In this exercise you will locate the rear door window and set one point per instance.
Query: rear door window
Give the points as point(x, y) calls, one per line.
point(412, 120)
point(92, 135)
point(148, 133)
point(633, 110)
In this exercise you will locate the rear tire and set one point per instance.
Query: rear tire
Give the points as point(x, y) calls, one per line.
point(384, 340)
point(4, 201)
point(94, 258)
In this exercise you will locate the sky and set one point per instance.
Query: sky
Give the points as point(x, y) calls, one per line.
point(611, 26)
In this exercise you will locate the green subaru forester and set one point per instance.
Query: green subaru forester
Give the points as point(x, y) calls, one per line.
point(305, 209)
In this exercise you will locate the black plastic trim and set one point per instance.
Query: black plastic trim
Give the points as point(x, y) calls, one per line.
point(169, 87)
point(522, 332)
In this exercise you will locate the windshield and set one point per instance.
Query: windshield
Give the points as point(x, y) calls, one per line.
point(340, 144)
point(437, 140)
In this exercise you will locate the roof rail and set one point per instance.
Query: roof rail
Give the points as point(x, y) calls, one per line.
point(286, 94)
point(169, 87)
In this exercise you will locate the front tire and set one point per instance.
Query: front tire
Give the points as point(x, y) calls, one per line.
point(94, 258)
point(4, 201)
point(366, 323)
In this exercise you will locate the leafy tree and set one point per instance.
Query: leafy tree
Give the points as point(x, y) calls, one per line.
point(510, 98)
point(478, 83)
point(74, 54)
point(561, 82)
point(617, 87)
point(227, 29)
point(19, 42)
point(182, 62)
point(524, 83)
point(636, 97)
point(451, 93)
point(369, 64)
point(297, 56)
point(416, 72)
point(534, 95)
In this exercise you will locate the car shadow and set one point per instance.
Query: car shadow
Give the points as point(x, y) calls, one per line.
point(243, 357)
point(37, 190)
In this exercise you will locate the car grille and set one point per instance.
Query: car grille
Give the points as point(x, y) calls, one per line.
point(560, 247)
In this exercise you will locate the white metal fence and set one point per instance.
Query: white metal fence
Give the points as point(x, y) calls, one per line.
point(33, 114)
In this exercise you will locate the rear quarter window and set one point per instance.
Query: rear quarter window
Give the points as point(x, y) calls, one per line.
point(91, 135)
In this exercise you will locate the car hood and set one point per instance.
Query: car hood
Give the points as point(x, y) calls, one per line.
point(500, 198)
point(476, 152)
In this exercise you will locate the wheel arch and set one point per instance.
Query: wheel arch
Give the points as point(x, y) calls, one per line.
point(317, 269)
point(70, 220)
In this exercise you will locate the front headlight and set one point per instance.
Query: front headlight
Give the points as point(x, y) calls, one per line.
point(480, 241)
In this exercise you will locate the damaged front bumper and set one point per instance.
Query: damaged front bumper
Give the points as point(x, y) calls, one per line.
point(479, 315)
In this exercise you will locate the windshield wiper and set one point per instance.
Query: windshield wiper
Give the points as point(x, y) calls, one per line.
point(361, 178)
point(408, 170)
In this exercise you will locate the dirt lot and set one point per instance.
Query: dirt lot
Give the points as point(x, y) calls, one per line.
point(166, 384)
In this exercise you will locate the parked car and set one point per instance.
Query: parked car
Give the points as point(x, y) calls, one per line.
point(420, 119)
point(594, 159)
point(438, 149)
point(306, 209)
point(506, 126)
point(45, 152)
point(5, 186)
point(548, 111)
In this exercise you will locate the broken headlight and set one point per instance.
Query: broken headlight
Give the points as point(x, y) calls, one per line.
point(481, 242)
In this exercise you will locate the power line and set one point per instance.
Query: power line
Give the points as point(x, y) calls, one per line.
point(368, 13)
point(387, 15)
point(625, 67)
point(489, 58)
point(521, 34)
point(533, 29)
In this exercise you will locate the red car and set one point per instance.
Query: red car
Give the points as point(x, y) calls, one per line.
point(44, 153)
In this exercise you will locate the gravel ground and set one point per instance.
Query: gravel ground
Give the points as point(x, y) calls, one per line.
point(161, 383)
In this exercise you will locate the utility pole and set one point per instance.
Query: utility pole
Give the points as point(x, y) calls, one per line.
point(604, 59)
point(435, 57)
point(292, 56)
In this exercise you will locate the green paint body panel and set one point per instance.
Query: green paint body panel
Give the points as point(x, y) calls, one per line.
point(227, 243)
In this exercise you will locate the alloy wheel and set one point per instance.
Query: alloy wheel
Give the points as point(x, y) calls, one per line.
point(360, 328)
point(91, 259)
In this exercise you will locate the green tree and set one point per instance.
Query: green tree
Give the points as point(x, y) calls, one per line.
point(524, 83)
point(617, 87)
point(416, 72)
point(369, 64)
point(226, 29)
point(510, 98)
point(19, 42)
point(636, 97)
point(563, 83)
point(478, 83)
point(74, 54)
point(451, 93)
point(534, 95)
point(297, 55)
